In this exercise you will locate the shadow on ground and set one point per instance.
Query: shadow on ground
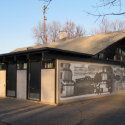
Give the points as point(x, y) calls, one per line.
point(102, 111)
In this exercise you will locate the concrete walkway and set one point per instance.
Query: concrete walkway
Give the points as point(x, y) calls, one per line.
point(103, 111)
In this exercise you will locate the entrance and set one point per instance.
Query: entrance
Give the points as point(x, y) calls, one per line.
point(11, 80)
point(34, 80)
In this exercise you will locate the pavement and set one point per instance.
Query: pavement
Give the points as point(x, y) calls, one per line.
point(102, 111)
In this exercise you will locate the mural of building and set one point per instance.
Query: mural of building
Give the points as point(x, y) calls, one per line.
point(104, 80)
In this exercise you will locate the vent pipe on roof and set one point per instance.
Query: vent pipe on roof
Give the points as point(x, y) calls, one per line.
point(63, 35)
point(29, 48)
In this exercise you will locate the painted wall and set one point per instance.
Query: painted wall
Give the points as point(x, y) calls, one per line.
point(2, 83)
point(21, 83)
point(48, 85)
point(78, 80)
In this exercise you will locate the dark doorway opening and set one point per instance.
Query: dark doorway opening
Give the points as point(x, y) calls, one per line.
point(34, 84)
point(11, 80)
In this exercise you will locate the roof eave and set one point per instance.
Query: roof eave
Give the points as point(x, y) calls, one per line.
point(43, 49)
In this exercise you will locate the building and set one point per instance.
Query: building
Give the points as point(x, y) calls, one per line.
point(66, 70)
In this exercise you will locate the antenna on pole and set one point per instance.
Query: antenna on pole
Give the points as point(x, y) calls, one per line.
point(44, 11)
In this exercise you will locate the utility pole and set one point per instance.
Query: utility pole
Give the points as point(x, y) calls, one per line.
point(44, 10)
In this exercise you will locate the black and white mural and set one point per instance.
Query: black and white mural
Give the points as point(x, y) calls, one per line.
point(89, 80)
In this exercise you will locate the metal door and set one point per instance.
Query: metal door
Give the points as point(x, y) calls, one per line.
point(34, 80)
point(11, 80)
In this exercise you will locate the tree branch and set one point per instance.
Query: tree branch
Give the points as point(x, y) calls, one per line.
point(106, 3)
point(46, 1)
point(100, 15)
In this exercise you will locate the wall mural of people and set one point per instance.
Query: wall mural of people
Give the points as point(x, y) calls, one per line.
point(89, 80)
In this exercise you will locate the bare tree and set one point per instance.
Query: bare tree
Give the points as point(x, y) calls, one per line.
point(54, 27)
point(107, 26)
point(52, 31)
point(69, 26)
point(74, 31)
point(38, 33)
point(94, 31)
point(118, 25)
point(80, 31)
point(103, 27)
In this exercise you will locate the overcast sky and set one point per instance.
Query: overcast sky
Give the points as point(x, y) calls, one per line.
point(18, 17)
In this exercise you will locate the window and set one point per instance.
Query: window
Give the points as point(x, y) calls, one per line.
point(118, 51)
point(95, 56)
point(2, 66)
point(123, 53)
point(22, 66)
point(61, 64)
point(48, 64)
point(104, 70)
point(104, 76)
point(61, 75)
point(102, 55)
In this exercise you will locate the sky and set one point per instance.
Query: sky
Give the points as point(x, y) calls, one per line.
point(18, 17)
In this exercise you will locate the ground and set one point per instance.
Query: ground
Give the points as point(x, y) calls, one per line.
point(102, 111)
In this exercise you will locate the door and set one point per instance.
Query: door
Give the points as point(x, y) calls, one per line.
point(34, 80)
point(11, 80)
point(21, 83)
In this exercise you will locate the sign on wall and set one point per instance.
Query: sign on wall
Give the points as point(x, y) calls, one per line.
point(90, 80)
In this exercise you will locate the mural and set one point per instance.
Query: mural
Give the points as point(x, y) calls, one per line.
point(89, 80)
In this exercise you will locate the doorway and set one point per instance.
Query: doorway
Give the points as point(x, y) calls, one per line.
point(11, 80)
point(34, 84)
